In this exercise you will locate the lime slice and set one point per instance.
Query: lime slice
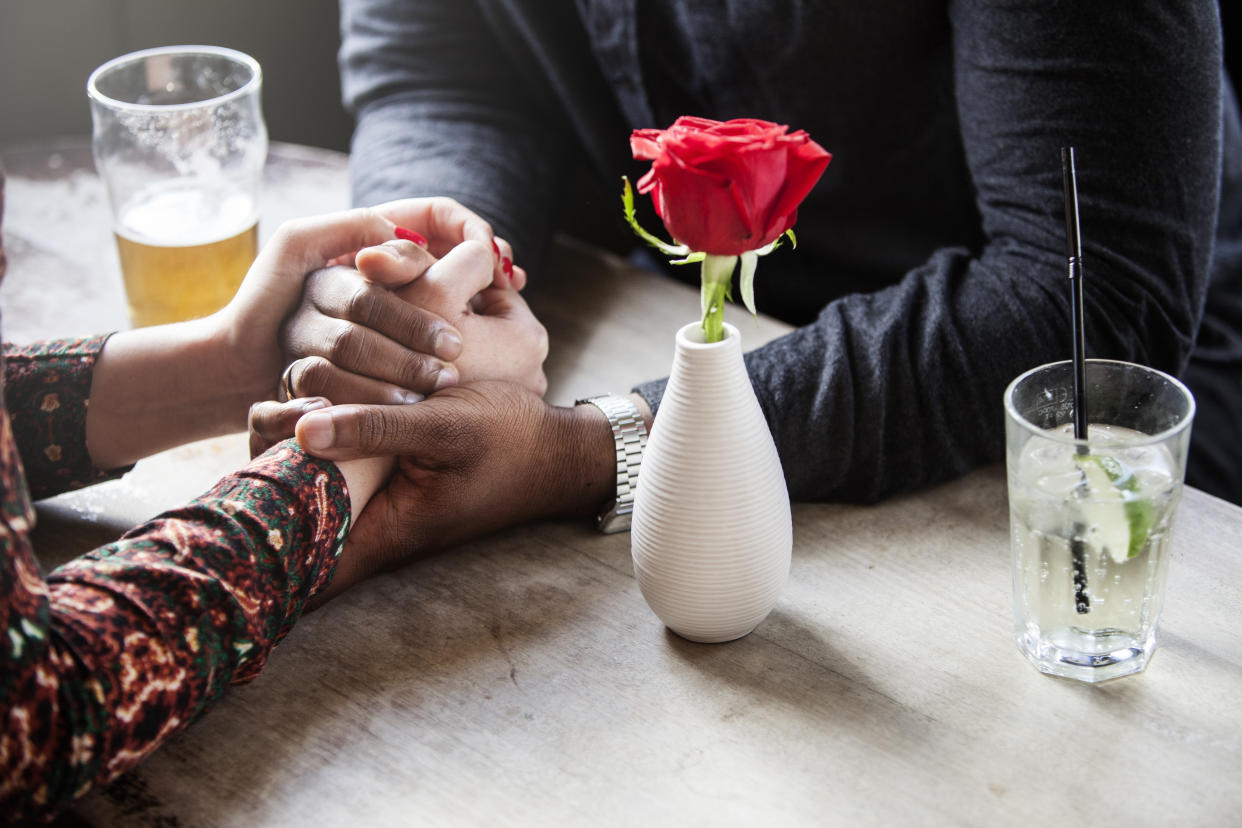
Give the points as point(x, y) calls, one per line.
point(1107, 525)
point(1122, 526)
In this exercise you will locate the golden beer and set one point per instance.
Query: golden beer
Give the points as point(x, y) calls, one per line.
point(184, 252)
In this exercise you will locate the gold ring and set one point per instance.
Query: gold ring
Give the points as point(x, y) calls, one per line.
point(286, 383)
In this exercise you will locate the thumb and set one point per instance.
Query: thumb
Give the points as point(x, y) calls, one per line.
point(347, 432)
point(463, 272)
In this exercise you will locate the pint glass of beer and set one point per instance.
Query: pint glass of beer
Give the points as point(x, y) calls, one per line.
point(180, 143)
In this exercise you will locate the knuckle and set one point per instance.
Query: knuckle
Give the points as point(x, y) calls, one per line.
point(437, 293)
point(311, 376)
point(287, 231)
point(421, 328)
point(378, 432)
point(364, 304)
point(430, 297)
point(417, 371)
point(256, 418)
point(291, 331)
point(344, 345)
point(360, 214)
point(445, 430)
point(447, 209)
point(315, 281)
point(478, 250)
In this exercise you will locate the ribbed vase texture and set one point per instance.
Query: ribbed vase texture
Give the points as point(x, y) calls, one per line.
point(712, 533)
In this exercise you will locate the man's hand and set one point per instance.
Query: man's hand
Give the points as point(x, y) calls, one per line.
point(473, 459)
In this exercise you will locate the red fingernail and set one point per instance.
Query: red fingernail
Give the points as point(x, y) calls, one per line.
point(410, 235)
point(506, 264)
point(495, 249)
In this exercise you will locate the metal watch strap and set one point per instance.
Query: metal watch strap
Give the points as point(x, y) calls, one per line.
point(630, 434)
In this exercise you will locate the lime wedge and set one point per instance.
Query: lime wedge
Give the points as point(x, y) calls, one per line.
point(1122, 526)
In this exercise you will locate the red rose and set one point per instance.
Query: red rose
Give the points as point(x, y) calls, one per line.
point(724, 188)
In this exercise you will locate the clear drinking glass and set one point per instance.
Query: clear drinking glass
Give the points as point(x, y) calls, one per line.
point(180, 143)
point(1090, 520)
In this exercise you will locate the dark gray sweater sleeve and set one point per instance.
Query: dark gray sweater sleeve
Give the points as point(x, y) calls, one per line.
point(444, 107)
point(902, 388)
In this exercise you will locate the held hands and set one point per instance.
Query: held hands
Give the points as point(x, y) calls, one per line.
point(274, 286)
point(154, 388)
point(249, 327)
point(355, 340)
point(401, 324)
point(472, 459)
point(359, 335)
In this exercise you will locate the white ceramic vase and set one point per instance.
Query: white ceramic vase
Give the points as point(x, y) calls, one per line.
point(711, 534)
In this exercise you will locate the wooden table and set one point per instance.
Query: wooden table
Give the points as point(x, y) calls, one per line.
point(522, 680)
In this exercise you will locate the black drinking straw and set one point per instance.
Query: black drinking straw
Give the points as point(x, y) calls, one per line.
point(1073, 254)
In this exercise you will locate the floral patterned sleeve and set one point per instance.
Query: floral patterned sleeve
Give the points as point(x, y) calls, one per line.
point(112, 653)
point(46, 388)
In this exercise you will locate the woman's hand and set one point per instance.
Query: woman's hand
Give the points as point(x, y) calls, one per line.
point(154, 388)
point(502, 339)
point(446, 223)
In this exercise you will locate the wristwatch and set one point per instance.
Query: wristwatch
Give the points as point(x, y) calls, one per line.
point(630, 433)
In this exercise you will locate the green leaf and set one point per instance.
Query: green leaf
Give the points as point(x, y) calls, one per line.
point(627, 206)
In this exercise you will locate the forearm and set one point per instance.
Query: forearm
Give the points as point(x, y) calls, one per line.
point(155, 388)
point(47, 391)
point(900, 388)
point(124, 647)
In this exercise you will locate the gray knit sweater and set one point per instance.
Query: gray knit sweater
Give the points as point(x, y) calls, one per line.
point(930, 268)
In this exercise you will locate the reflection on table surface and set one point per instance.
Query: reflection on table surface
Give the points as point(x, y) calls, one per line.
point(522, 679)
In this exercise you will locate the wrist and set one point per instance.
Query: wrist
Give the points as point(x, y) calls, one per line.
point(363, 478)
point(157, 387)
point(252, 363)
point(583, 462)
point(627, 420)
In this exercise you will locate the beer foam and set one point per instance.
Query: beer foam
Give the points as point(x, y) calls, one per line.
point(185, 215)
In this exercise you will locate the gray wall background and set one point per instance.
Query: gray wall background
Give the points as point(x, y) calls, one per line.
point(49, 47)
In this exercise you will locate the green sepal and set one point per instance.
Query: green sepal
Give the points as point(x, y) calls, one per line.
point(627, 205)
point(750, 261)
point(775, 243)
